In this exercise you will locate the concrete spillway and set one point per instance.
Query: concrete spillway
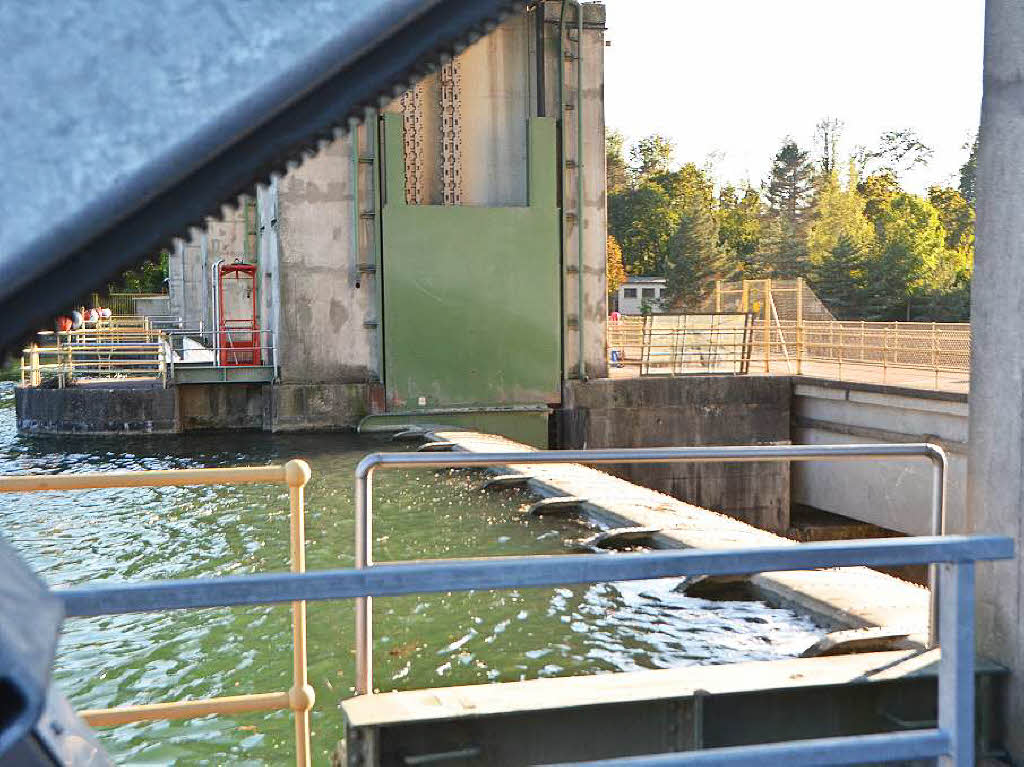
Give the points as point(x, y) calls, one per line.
point(843, 598)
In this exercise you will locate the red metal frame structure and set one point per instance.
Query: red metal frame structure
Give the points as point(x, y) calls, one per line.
point(238, 337)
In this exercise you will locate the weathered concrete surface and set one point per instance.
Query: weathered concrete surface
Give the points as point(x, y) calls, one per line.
point(692, 410)
point(325, 301)
point(97, 409)
point(594, 229)
point(895, 495)
point(221, 406)
point(996, 482)
point(850, 597)
point(301, 407)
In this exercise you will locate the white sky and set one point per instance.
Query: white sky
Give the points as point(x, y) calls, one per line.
point(737, 76)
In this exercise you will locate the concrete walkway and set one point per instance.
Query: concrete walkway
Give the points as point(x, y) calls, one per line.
point(846, 598)
point(911, 378)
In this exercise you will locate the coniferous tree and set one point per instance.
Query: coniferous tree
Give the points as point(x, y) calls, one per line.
point(969, 173)
point(839, 279)
point(694, 257)
point(789, 193)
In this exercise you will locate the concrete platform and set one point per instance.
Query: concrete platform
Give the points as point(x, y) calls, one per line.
point(842, 598)
point(646, 712)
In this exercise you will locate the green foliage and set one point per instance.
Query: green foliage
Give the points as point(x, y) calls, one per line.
point(839, 278)
point(969, 173)
point(694, 257)
point(615, 162)
point(740, 228)
point(838, 213)
point(149, 277)
point(870, 248)
point(642, 219)
point(790, 195)
point(652, 155)
point(614, 270)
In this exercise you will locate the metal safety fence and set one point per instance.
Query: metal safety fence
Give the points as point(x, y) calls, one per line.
point(952, 741)
point(680, 344)
point(300, 698)
point(953, 559)
point(110, 352)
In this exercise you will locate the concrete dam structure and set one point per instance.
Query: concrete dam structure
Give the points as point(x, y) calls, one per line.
point(436, 271)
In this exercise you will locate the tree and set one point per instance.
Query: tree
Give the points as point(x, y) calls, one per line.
point(838, 212)
point(826, 136)
point(693, 257)
point(956, 215)
point(615, 162)
point(898, 151)
point(911, 254)
point(839, 278)
point(969, 173)
point(642, 220)
point(789, 192)
point(149, 277)
point(652, 155)
point(740, 229)
point(615, 271)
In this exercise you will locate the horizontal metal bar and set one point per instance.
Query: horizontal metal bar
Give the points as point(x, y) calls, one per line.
point(859, 749)
point(513, 572)
point(159, 478)
point(739, 453)
point(186, 709)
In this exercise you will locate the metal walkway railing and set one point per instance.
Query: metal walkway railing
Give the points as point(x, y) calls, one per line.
point(952, 741)
point(300, 697)
point(742, 453)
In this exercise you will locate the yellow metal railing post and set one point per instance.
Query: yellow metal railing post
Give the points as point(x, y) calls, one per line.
point(766, 312)
point(718, 296)
point(33, 365)
point(300, 696)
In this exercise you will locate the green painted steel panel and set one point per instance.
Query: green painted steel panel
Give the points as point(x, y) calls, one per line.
point(530, 428)
point(471, 294)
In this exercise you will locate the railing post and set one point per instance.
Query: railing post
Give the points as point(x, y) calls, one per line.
point(718, 296)
point(766, 313)
point(33, 361)
point(300, 696)
point(956, 665)
point(935, 355)
point(364, 605)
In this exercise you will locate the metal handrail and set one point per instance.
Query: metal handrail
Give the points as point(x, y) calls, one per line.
point(379, 461)
point(300, 698)
point(952, 739)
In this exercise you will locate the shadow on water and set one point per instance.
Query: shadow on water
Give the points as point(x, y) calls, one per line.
point(428, 640)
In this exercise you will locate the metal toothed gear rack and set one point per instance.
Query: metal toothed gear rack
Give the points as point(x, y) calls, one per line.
point(451, 133)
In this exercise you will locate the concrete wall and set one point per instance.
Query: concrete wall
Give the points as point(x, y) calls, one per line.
point(699, 410)
point(221, 406)
point(325, 301)
point(890, 494)
point(113, 409)
point(594, 229)
point(996, 482)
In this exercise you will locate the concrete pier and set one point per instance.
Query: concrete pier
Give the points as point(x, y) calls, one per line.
point(995, 485)
point(842, 598)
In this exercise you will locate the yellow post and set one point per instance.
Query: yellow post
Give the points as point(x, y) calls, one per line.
point(718, 296)
point(33, 365)
point(766, 312)
point(300, 696)
point(799, 325)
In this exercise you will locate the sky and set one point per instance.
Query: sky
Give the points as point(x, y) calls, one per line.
point(730, 79)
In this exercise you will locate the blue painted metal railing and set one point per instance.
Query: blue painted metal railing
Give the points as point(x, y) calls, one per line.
point(952, 742)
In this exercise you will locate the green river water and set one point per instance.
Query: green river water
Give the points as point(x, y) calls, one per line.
point(421, 641)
